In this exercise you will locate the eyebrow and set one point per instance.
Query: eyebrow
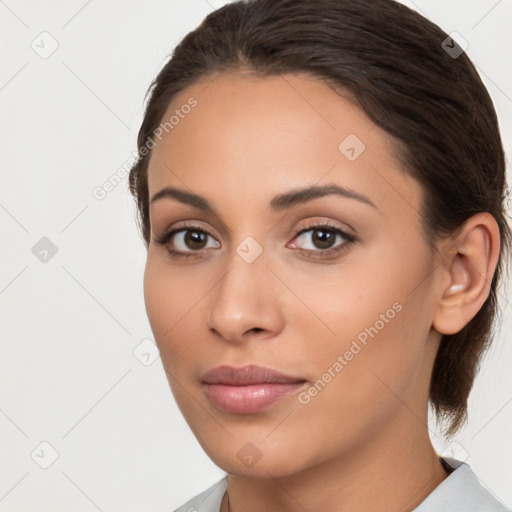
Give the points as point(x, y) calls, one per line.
point(278, 203)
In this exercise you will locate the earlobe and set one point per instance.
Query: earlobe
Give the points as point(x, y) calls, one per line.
point(474, 253)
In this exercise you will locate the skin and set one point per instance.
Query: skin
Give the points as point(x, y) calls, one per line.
point(364, 438)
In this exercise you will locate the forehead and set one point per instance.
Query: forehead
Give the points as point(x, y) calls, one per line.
point(248, 135)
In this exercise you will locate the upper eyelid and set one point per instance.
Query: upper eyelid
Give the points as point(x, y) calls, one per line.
point(321, 221)
point(310, 226)
point(319, 225)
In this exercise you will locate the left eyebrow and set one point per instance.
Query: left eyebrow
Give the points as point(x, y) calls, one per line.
point(278, 203)
point(304, 195)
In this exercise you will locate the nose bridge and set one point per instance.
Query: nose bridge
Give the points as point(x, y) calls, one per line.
point(243, 299)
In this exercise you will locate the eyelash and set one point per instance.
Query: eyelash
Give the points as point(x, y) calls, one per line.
point(318, 253)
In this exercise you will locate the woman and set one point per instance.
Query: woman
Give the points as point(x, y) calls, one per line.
point(320, 188)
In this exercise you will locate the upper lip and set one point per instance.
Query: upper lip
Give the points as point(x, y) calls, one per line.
point(246, 375)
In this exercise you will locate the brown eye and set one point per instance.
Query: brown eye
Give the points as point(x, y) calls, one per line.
point(322, 238)
point(195, 239)
point(187, 241)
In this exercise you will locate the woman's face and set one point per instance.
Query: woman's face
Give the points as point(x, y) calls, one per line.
point(344, 311)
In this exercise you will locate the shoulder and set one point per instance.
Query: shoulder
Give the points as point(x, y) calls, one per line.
point(461, 491)
point(208, 500)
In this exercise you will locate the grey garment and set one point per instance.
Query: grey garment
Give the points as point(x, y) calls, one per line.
point(461, 491)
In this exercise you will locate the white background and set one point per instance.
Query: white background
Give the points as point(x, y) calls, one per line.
point(69, 325)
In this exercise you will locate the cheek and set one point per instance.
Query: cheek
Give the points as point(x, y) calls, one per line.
point(175, 305)
point(360, 379)
point(158, 300)
point(365, 297)
point(167, 301)
point(370, 325)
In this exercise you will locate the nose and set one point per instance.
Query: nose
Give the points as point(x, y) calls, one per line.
point(246, 301)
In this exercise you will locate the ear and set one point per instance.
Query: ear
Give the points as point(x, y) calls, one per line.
point(470, 260)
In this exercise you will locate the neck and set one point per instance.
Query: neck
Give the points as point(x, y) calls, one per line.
point(397, 470)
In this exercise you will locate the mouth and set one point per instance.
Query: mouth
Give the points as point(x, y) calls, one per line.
point(248, 389)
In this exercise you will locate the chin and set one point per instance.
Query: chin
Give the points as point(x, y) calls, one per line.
point(254, 456)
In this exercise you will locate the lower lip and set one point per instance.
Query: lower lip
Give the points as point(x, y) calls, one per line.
point(249, 399)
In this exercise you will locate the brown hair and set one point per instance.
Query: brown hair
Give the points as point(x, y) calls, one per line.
point(411, 81)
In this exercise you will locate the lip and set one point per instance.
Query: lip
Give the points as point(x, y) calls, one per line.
point(247, 389)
